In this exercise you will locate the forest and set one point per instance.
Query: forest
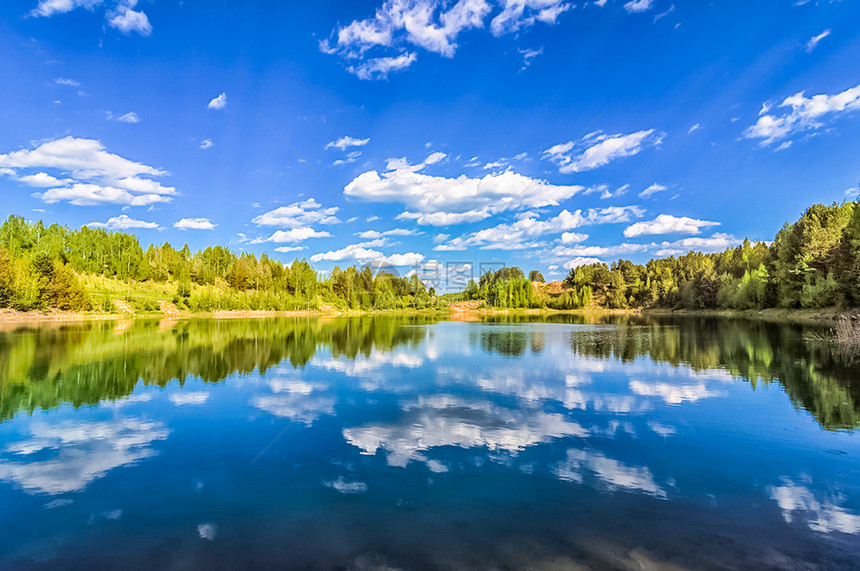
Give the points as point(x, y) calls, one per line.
point(810, 264)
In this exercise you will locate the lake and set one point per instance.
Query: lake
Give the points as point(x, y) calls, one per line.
point(387, 443)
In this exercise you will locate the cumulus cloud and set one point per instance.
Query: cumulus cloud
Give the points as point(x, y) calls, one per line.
point(293, 235)
point(716, 243)
point(363, 252)
point(298, 214)
point(635, 6)
point(206, 143)
point(288, 249)
point(512, 236)
point(580, 261)
point(801, 114)
point(43, 180)
point(668, 224)
point(441, 201)
point(368, 44)
point(121, 15)
point(582, 255)
point(598, 149)
point(373, 234)
point(347, 141)
point(219, 102)
point(96, 175)
point(127, 20)
point(194, 224)
point(123, 222)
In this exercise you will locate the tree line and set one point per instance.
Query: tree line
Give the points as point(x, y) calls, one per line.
point(42, 267)
point(812, 263)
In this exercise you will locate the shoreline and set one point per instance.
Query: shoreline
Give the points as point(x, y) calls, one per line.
point(826, 316)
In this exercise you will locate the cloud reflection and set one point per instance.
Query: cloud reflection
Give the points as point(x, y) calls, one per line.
point(78, 453)
point(821, 515)
point(446, 420)
point(610, 471)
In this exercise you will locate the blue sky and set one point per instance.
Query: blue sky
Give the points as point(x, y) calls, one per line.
point(437, 136)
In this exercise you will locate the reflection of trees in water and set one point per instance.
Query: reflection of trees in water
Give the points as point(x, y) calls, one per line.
point(815, 377)
point(43, 367)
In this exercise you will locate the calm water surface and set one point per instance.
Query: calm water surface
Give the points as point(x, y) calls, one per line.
point(382, 443)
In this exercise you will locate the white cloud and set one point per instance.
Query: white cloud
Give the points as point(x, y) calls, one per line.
point(597, 149)
point(371, 234)
point(573, 238)
point(47, 8)
point(803, 114)
point(127, 20)
point(444, 218)
point(121, 16)
point(430, 25)
point(511, 236)
point(695, 127)
point(716, 243)
point(580, 261)
point(347, 141)
point(206, 143)
point(434, 158)
point(353, 251)
point(66, 81)
point(518, 14)
point(654, 188)
point(92, 194)
point(97, 176)
point(42, 180)
point(294, 235)
point(379, 68)
point(441, 201)
point(813, 42)
point(288, 249)
point(529, 55)
point(298, 214)
point(130, 117)
point(668, 224)
point(407, 259)
point(194, 224)
point(219, 102)
point(350, 158)
point(635, 6)
point(123, 222)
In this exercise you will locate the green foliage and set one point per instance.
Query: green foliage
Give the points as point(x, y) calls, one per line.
point(813, 263)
